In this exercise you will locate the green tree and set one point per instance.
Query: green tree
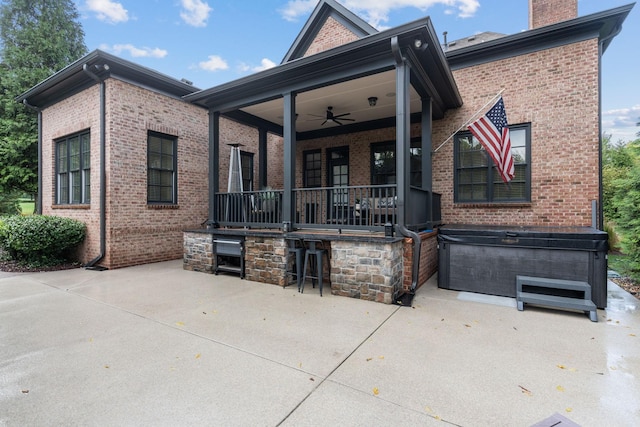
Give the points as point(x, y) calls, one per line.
point(617, 160)
point(37, 38)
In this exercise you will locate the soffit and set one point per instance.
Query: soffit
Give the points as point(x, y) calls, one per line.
point(346, 97)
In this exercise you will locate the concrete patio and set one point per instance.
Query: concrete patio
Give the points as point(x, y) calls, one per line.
point(157, 345)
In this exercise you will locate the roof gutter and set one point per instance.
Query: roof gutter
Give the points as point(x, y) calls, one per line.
point(38, 209)
point(103, 194)
point(401, 297)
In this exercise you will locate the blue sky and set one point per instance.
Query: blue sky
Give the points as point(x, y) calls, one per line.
point(210, 42)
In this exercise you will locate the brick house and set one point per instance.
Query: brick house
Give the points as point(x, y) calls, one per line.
point(143, 158)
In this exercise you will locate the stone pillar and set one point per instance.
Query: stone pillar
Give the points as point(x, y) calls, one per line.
point(198, 252)
point(367, 270)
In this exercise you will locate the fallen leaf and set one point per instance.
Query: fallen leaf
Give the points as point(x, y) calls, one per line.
point(180, 323)
point(311, 379)
point(632, 335)
point(381, 357)
point(375, 391)
point(198, 356)
point(91, 339)
point(525, 391)
point(569, 409)
point(369, 359)
point(106, 366)
point(560, 388)
point(25, 391)
point(613, 368)
point(467, 325)
point(561, 366)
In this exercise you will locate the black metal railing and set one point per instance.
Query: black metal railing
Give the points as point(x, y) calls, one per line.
point(366, 207)
point(359, 207)
point(260, 209)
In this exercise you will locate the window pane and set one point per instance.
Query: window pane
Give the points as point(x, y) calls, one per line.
point(154, 193)
point(87, 186)
point(154, 177)
point(155, 144)
point(62, 156)
point(76, 186)
point(471, 192)
point(63, 184)
point(167, 146)
point(166, 194)
point(166, 178)
point(167, 162)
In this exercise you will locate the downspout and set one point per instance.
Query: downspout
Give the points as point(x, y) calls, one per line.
point(600, 185)
point(404, 298)
point(39, 195)
point(103, 196)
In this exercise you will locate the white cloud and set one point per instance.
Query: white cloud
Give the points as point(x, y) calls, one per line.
point(136, 52)
point(297, 8)
point(214, 63)
point(108, 11)
point(377, 12)
point(621, 123)
point(195, 12)
point(265, 64)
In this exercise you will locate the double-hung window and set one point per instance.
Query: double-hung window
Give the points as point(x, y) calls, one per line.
point(73, 169)
point(383, 163)
point(476, 179)
point(162, 179)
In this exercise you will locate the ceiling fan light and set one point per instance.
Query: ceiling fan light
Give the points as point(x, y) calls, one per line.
point(372, 101)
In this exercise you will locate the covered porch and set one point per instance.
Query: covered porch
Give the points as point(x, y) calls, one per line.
point(343, 140)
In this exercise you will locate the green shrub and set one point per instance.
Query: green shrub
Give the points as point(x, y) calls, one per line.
point(614, 240)
point(39, 240)
point(629, 211)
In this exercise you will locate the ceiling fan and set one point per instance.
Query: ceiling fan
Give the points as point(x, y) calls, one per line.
point(336, 118)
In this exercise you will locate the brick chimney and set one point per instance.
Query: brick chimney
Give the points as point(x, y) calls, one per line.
point(547, 12)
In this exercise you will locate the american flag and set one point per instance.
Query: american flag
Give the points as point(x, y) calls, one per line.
point(492, 130)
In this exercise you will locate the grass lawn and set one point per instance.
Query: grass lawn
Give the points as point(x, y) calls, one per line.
point(27, 207)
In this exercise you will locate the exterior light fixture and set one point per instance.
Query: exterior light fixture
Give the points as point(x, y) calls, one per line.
point(420, 45)
point(372, 101)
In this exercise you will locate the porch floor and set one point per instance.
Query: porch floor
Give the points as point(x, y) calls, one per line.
point(156, 344)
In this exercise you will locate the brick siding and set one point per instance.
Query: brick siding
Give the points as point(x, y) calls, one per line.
point(547, 12)
point(555, 90)
point(332, 34)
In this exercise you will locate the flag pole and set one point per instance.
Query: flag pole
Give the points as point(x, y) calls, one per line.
point(470, 118)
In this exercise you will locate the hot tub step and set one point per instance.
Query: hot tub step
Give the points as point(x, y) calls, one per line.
point(533, 290)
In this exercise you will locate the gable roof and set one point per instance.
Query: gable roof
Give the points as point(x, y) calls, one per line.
point(323, 10)
point(73, 79)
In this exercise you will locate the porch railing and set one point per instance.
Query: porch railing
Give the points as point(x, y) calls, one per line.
point(366, 207)
point(259, 209)
point(360, 207)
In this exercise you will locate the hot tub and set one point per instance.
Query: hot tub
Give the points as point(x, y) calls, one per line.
point(487, 259)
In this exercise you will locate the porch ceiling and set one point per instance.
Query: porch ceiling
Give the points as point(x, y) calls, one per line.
point(347, 97)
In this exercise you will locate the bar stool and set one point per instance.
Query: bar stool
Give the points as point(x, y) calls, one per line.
point(317, 253)
point(295, 246)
